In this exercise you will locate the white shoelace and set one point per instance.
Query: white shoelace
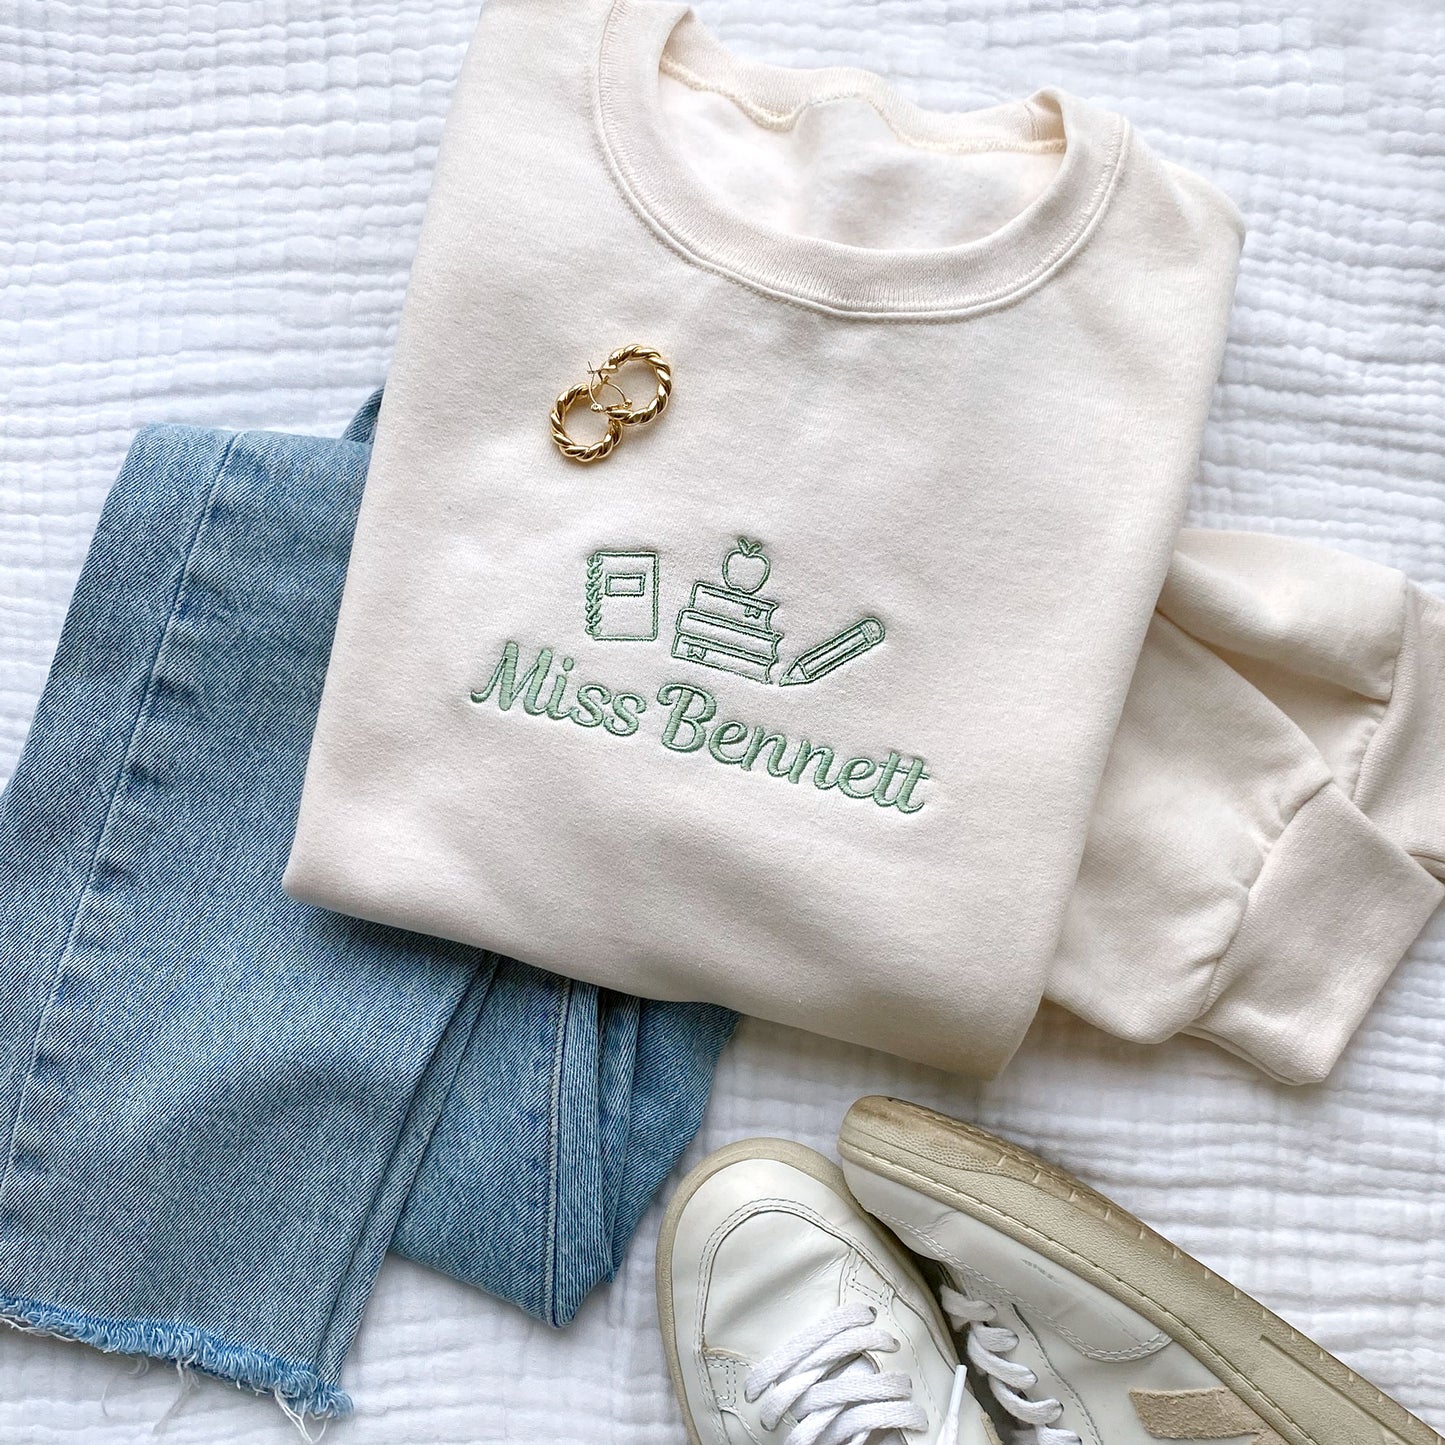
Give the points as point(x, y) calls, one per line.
point(852, 1401)
point(988, 1346)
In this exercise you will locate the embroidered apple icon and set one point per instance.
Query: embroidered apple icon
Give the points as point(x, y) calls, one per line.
point(745, 568)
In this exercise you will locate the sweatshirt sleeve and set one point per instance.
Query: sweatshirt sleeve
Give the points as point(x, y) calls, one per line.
point(1268, 835)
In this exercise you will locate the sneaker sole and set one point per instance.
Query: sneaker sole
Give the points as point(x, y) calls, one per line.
point(1304, 1394)
point(800, 1157)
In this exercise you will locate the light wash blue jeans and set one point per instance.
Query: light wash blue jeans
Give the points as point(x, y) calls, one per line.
point(222, 1107)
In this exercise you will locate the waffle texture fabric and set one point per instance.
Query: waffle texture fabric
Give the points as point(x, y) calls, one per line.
point(187, 185)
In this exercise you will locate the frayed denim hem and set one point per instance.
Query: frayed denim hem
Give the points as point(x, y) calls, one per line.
point(298, 1389)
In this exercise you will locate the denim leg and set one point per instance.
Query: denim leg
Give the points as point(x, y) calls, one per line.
point(568, 1111)
point(677, 1050)
point(214, 1099)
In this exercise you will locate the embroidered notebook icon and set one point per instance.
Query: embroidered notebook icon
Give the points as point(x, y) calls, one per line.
point(730, 627)
point(622, 596)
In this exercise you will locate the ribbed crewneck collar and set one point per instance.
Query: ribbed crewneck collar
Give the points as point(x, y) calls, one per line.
point(642, 38)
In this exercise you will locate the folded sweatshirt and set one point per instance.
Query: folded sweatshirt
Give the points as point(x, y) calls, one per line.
point(799, 699)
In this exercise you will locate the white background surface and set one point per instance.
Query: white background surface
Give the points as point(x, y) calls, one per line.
point(207, 212)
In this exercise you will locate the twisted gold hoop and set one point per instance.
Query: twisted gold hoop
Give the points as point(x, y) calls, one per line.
point(582, 451)
point(625, 412)
point(619, 413)
point(598, 379)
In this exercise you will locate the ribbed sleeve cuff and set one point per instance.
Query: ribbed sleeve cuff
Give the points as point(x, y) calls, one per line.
point(1333, 910)
point(1402, 779)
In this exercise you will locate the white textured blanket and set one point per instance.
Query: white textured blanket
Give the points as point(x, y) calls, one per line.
point(209, 209)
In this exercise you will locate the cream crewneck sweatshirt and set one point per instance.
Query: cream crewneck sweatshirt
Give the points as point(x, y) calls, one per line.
point(799, 701)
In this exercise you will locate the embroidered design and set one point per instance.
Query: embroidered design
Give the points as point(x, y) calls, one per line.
point(622, 596)
point(828, 656)
point(726, 625)
point(1217, 1414)
point(689, 724)
point(730, 627)
point(593, 705)
point(745, 569)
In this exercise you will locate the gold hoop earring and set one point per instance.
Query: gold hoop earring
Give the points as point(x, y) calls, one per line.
point(624, 411)
point(599, 379)
point(582, 451)
point(620, 413)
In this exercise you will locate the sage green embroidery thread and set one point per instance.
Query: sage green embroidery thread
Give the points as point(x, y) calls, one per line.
point(854, 770)
point(777, 746)
point(594, 593)
point(806, 753)
point(504, 680)
point(682, 697)
point(727, 735)
point(691, 709)
point(592, 698)
point(738, 570)
point(829, 656)
point(626, 710)
point(730, 627)
point(621, 596)
point(691, 726)
point(555, 709)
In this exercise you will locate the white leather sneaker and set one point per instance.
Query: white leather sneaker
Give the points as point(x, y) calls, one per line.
point(1091, 1329)
point(789, 1316)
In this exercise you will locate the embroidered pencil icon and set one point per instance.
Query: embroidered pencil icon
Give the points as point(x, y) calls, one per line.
point(829, 656)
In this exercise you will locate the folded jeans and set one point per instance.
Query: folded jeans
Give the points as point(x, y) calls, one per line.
point(222, 1107)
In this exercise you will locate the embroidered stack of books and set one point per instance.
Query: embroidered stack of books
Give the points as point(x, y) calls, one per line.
point(728, 630)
